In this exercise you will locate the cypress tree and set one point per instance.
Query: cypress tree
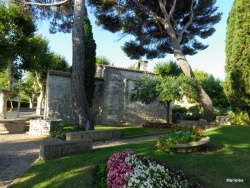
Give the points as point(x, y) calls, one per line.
point(89, 58)
point(237, 83)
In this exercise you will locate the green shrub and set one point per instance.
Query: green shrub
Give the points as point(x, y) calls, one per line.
point(178, 112)
point(219, 111)
point(61, 129)
point(178, 136)
point(101, 175)
point(23, 104)
point(241, 118)
point(193, 113)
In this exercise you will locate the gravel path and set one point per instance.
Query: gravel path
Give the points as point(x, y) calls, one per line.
point(19, 151)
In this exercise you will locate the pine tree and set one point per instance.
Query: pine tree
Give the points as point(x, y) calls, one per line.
point(237, 84)
point(162, 27)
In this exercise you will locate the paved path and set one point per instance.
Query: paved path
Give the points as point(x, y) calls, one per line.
point(19, 151)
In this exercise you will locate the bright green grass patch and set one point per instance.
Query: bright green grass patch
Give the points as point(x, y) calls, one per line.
point(226, 156)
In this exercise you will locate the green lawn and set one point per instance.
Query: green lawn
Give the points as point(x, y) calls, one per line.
point(129, 130)
point(226, 156)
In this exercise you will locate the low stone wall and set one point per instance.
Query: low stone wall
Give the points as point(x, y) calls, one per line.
point(10, 125)
point(94, 135)
point(223, 120)
point(57, 149)
point(42, 127)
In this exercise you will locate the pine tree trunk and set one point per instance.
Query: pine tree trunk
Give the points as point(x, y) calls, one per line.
point(81, 108)
point(206, 101)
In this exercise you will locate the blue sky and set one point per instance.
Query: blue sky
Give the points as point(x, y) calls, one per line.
point(211, 60)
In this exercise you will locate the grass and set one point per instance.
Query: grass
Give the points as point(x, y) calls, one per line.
point(226, 156)
point(129, 130)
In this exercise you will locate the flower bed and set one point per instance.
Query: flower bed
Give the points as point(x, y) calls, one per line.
point(191, 146)
point(180, 136)
point(127, 169)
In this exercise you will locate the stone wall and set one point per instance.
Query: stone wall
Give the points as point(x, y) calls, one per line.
point(57, 149)
point(12, 125)
point(42, 127)
point(111, 103)
point(58, 96)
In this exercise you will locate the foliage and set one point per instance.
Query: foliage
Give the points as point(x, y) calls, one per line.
point(170, 68)
point(220, 111)
point(127, 169)
point(160, 28)
point(213, 88)
point(165, 89)
point(102, 60)
point(237, 82)
point(145, 90)
point(30, 88)
point(179, 112)
point(145, 21)
point(16, 27)
point(193, 113)
point(61, 129)
point(241, 118)
point(89, 59)
point(179, 136)
point(101, 175)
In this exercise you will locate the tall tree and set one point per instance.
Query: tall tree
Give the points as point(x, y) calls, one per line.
point(30, 89)
point(166, 89)
point(16, 27)
point(237, 83)
point(160, 27)
point(89, 59)
point(65, 15)
point(42, 60)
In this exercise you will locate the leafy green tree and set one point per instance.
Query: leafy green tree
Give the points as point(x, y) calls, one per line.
point(165, 89)
point(64, 16)
point(40, 62)
point(237, 82)
point(213, 88)
point(170, 68)
point(162, 27)
point(30, 89)
point(16, 27)
point(89, 59)
point(102, 60)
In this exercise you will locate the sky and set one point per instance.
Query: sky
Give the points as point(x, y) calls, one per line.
point(210, 60)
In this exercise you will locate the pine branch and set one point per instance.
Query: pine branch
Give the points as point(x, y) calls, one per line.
point(191, 15)
point(46, 4)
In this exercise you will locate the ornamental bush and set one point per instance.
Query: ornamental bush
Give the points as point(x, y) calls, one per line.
point(240, 118)
point(179, 136)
